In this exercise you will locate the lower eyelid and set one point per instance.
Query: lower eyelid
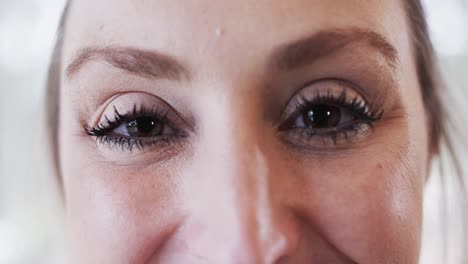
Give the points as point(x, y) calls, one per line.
point(131, 150)
point(303, 138)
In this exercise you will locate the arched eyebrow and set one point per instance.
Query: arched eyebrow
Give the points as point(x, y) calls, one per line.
point(324, 43)
point(145, 63)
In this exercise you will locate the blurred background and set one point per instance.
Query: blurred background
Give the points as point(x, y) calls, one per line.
point(30, 222)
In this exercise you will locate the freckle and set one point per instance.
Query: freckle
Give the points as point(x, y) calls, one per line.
point(379, 165)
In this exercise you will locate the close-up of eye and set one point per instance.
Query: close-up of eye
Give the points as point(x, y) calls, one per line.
point(140, 128)
point(130, 124)
point(333, 114)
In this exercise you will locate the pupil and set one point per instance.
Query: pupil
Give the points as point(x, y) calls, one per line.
point(143, 127)
point(322, 116)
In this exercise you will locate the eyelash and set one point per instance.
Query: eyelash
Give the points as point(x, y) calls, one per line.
point(357, 106)
point(103, 131)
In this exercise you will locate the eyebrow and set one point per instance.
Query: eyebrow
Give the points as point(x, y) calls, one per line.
point(145, 63)
point(152, 64)
point(309, 49)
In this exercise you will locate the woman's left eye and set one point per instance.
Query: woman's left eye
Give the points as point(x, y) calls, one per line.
point(324, 117)
point(326, 114)
point(143, 127)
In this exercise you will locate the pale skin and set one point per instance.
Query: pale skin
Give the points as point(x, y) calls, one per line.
point(237, 184)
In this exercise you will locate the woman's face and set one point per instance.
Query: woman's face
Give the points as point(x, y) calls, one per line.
point(242, 132)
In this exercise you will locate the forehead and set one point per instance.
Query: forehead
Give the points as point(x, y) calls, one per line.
point(248, 25)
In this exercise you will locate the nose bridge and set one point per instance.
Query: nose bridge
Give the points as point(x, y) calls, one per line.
point(248, 203)
point(234, 150)
point(251, 186)
point(240, 211)
point(256, 206)
point(245, 171)
point(249, 175)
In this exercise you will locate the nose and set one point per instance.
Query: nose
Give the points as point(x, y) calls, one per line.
point(236, 213)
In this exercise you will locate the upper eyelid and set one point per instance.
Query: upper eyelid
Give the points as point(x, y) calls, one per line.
point(357, 104)
point(119, 118)
point(127, 101)
point(309, 85)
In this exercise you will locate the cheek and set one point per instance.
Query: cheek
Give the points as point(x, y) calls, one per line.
point(369, 206)
point(108, 204)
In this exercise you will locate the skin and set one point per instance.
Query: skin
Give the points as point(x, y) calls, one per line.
point(238, 189)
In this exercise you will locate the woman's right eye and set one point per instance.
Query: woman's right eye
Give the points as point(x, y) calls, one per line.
point(138, 129)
